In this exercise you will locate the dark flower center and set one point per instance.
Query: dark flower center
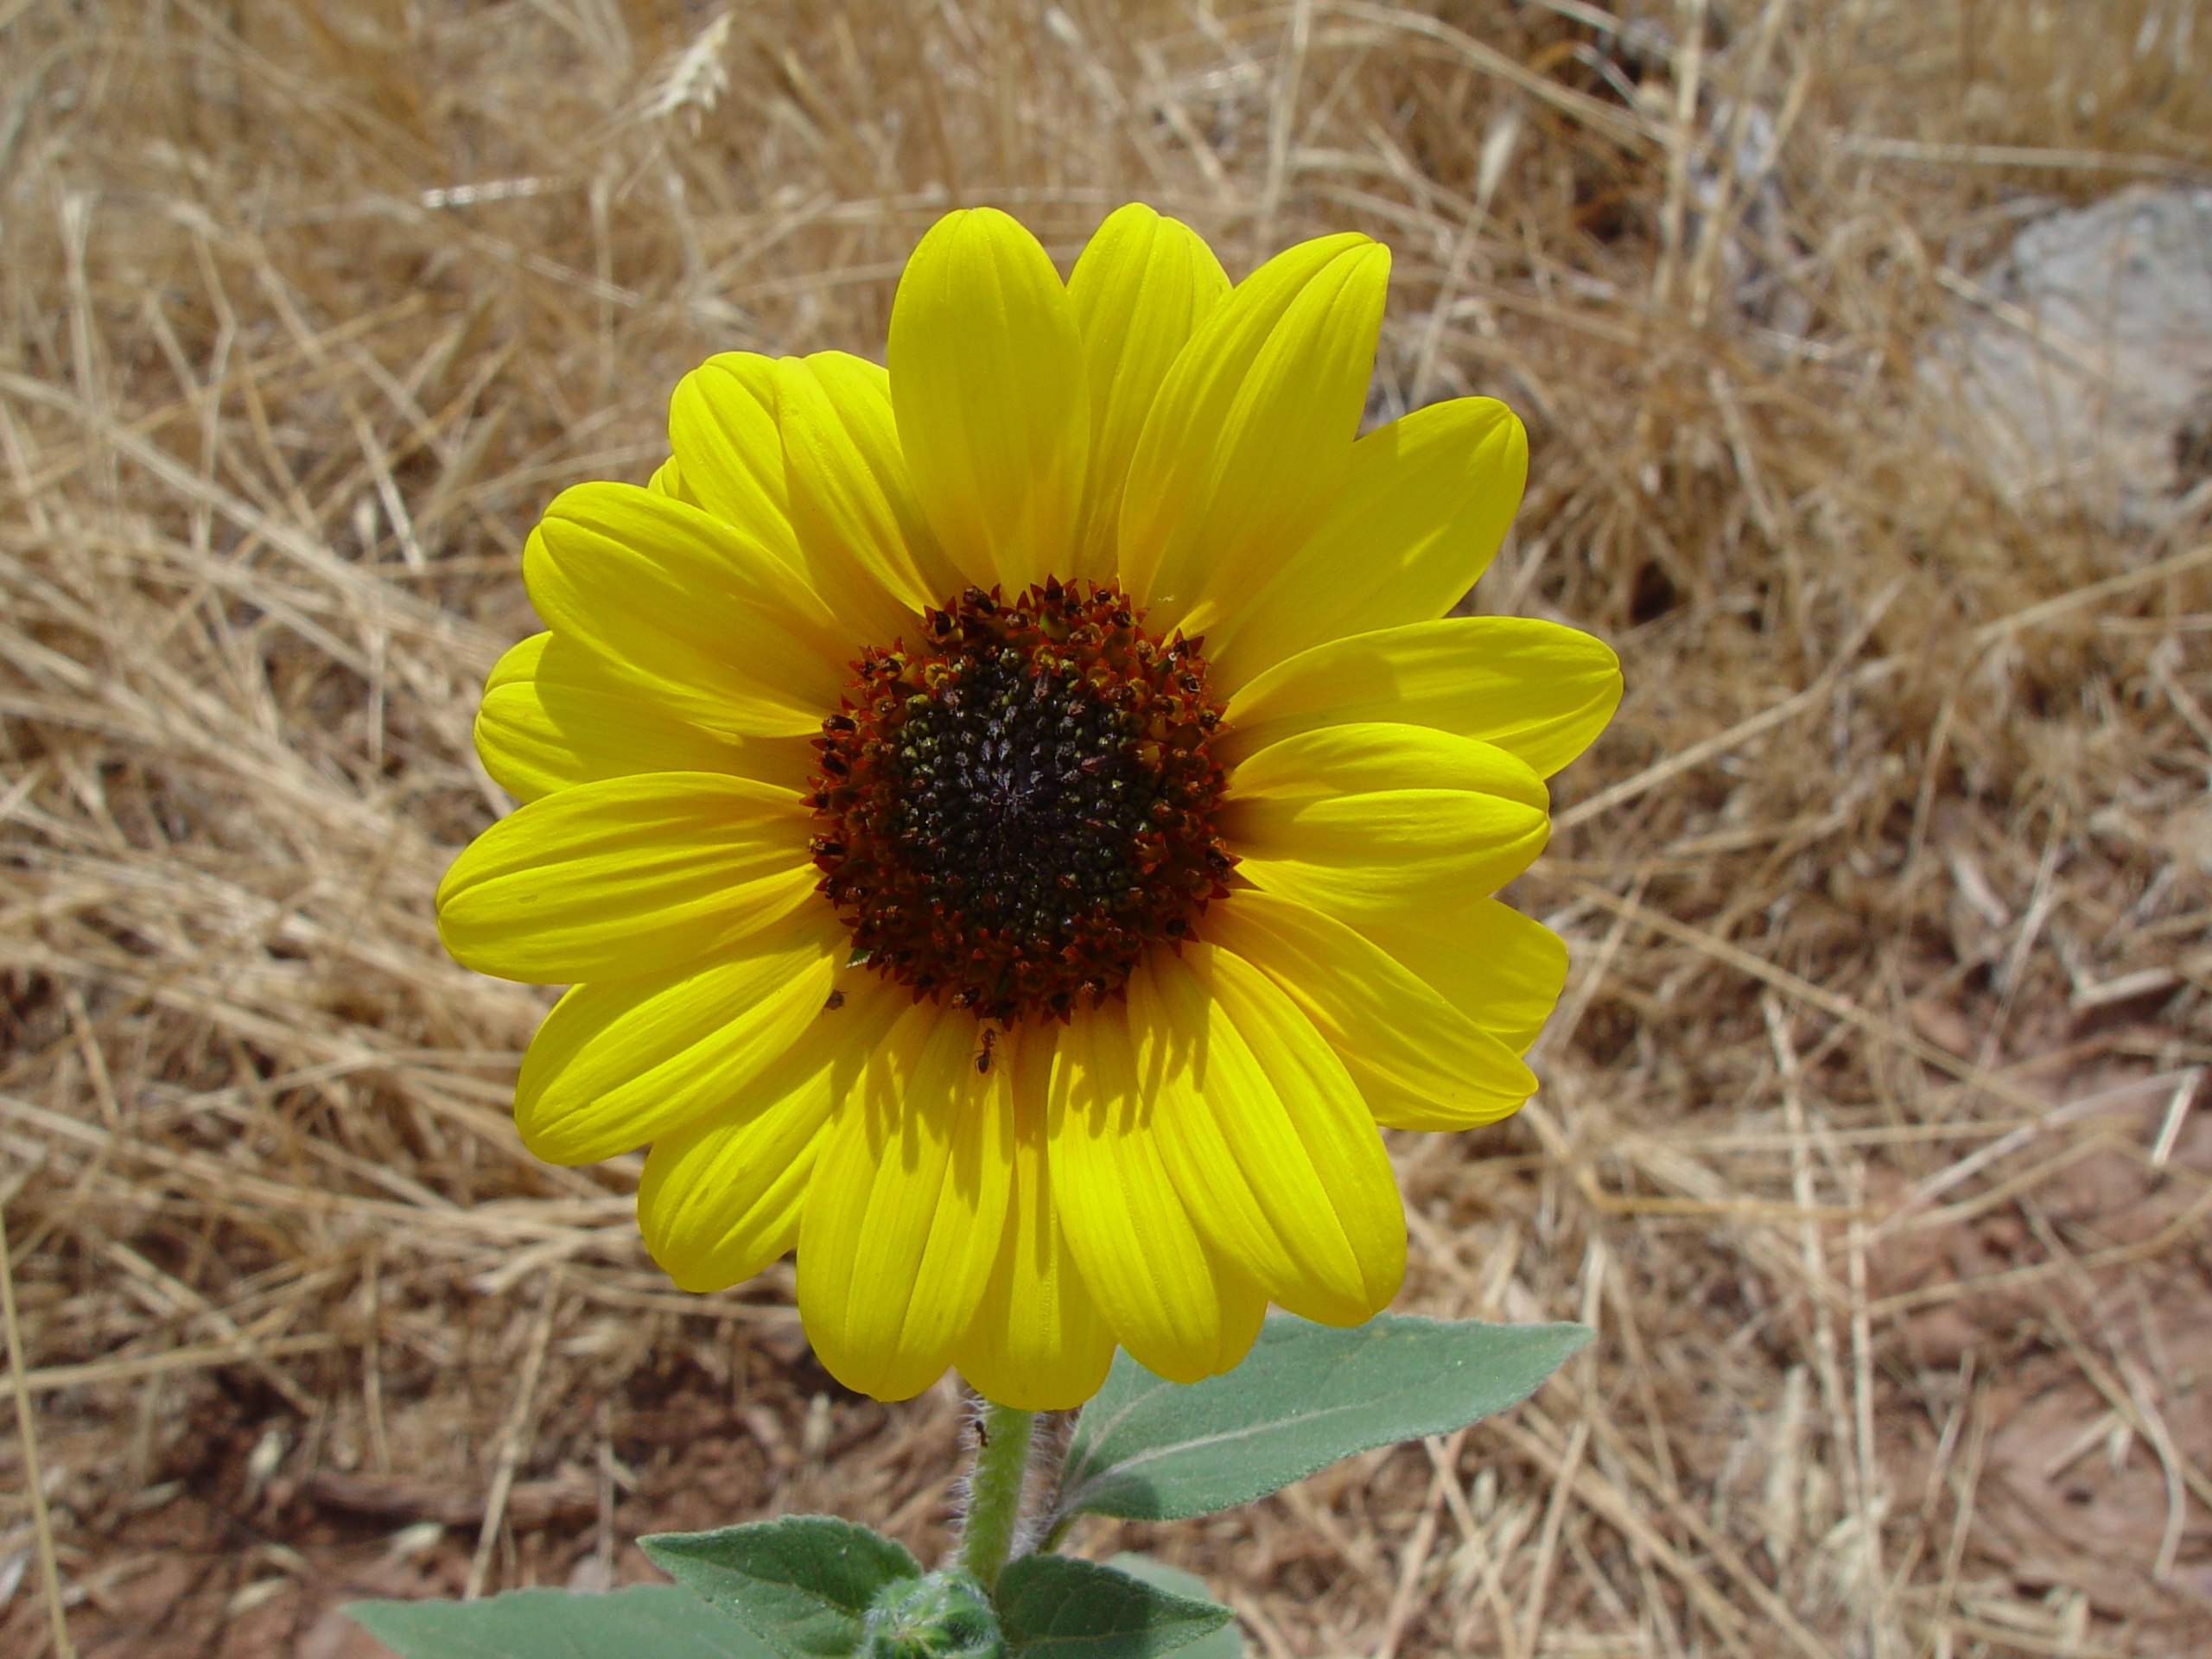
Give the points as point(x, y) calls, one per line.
point(1011, 812)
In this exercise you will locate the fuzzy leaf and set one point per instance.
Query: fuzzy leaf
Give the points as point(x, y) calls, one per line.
point(1149, 1450)
point(1227, 1643)
point(1060, 1607)
point(803, 1585)
point(664, 1620)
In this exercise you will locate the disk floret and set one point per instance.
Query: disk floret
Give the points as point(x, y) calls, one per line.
point(1010, 812)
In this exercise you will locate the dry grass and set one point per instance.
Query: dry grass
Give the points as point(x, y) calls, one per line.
point(1864, 1138)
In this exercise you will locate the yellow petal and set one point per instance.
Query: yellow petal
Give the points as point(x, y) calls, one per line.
point(1142, 287)
point(1039, 1341)
point(1182, 1312)
point(520, 663)
point(721, 1198)
point(1425, 504)
point(861, 534)
point(987, 379)
point(686, 611)
point(1365, 756)
point(722, 424)
point(625, 876)
point(1259, 1126)
point(1370, 821)
point(1420, 1062)
point(1535, 690)
point(551, 717)
point(907, 1208)
point(1244, 1305)
point(1502, 970)
point(620, 1063)
point(668, 479)
point(1248, 440)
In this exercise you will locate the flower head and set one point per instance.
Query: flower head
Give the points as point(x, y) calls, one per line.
point(1016, 823)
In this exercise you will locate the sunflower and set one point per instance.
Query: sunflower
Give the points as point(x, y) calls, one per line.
point(1016, 824)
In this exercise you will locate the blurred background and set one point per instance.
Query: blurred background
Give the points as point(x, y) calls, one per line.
point(1864, 347)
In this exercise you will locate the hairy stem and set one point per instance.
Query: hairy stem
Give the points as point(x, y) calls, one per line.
point(995, 1490)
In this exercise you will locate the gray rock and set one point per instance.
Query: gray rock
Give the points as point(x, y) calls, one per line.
point(2084, 373)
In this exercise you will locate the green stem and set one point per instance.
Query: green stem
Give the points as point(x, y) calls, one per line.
point(995, 1490)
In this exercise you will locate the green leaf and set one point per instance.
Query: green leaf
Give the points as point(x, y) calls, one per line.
point(664, 1620)
point(802, 1585)
point(1059, 1607)
point(1148, 1450)
point(1227, 1643)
